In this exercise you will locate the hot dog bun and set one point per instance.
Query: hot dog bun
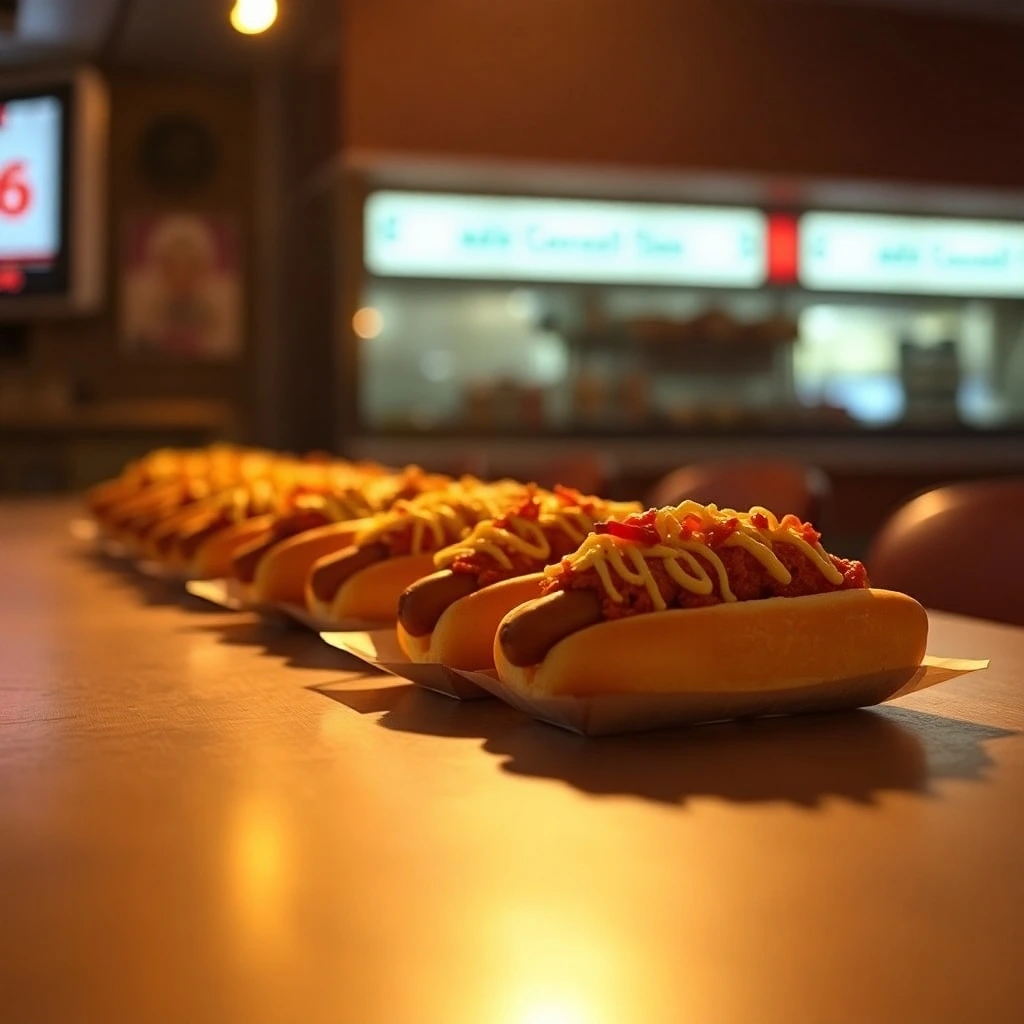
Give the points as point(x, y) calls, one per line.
point(371, 595)
point(281, 573)
point(213, 558)
point(464, 635)
point(772, 644)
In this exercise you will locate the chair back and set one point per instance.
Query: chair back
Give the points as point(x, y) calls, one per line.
point(776, 484)
point(958, 548)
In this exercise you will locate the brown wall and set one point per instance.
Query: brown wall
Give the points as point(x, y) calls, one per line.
point(87, 349)
point(805, 88)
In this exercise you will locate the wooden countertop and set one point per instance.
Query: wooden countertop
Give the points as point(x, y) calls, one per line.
point(206, 819)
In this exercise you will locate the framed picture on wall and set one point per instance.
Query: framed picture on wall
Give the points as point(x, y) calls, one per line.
point(181, 286)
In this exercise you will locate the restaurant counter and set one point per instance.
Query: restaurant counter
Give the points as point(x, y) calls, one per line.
point(209, 818)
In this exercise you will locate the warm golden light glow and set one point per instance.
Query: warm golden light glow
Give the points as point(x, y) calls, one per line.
point(553, 1013)
point(250, 17)
point(367, 322)
point(258, 866)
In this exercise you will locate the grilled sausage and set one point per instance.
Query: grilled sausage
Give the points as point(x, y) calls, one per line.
point(528, 636)
point(423, 604)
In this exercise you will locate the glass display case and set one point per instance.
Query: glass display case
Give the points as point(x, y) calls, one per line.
point(579, 317)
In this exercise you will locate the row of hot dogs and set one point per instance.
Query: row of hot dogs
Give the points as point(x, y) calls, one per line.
point(558, 592)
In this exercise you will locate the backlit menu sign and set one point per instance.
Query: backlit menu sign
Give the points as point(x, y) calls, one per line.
point(414, 234)
point(911, 255)
point(30, 172)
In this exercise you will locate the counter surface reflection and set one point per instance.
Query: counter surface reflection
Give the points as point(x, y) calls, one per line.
point(205, 818)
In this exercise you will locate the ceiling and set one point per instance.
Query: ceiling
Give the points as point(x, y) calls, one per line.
point(1008, 10)
point(196, 33)
point(193, 33)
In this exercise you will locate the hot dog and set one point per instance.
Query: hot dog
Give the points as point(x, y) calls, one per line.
point(365, 580)
point(694, 598)
point(276, 498)
point(451, 616)
point(275, 565)
point(151, 521)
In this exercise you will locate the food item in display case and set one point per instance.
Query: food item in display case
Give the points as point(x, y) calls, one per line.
point(450, 617)
point(695, 599)
point(589, 398)
point(365, 580)
point(635, 398)
point(773, 330)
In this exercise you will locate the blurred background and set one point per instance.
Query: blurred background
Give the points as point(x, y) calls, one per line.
point(584, 238)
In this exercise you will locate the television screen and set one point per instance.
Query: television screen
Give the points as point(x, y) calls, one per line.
point(52, 147)
point(33, 201)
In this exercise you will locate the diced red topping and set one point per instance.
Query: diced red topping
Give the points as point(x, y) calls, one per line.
point(529, 508)
point(639, 528)
point(716, 534)
point(568, 495)
point(691, 526)
point(802, 529)
point(759, 520)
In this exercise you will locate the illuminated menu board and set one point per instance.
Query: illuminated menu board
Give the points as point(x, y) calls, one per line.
point(911, 255)
point(30, 180)
point(414, 234)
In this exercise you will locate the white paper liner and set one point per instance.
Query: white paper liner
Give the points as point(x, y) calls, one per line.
point(222, 592)
point(233, 595)
point(83, 529)
point(380, 648)
point(159, 571)
point(617, 713)
point(88, 531)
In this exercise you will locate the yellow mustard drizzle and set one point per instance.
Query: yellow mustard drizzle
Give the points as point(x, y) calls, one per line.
point(441, 516)
point(604, 553)
point(528, 537)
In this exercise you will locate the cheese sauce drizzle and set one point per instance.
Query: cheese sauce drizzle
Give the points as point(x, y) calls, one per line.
point(440, 518)
point(614, 558)
point(528, 537)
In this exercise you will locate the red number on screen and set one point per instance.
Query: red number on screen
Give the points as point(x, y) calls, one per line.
point(15, 194)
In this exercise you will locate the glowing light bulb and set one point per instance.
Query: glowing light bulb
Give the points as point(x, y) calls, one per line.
point(250, 17)
point(367, 322)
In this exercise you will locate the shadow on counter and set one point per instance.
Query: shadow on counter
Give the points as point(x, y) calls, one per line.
point(802, 760)
point(297, 647)
point(154, 591)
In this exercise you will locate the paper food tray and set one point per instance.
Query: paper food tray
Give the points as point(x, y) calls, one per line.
point(225, 593)
point(379, 648)
point(88, 532)
point(159, 571)
point(83, 529)
point(231, 594)
point(618, 713)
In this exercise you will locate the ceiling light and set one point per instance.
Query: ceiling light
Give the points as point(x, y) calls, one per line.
point(250, 17)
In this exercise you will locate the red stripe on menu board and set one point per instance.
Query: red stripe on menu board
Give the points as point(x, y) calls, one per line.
point(12, 280)
point(783, 248)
